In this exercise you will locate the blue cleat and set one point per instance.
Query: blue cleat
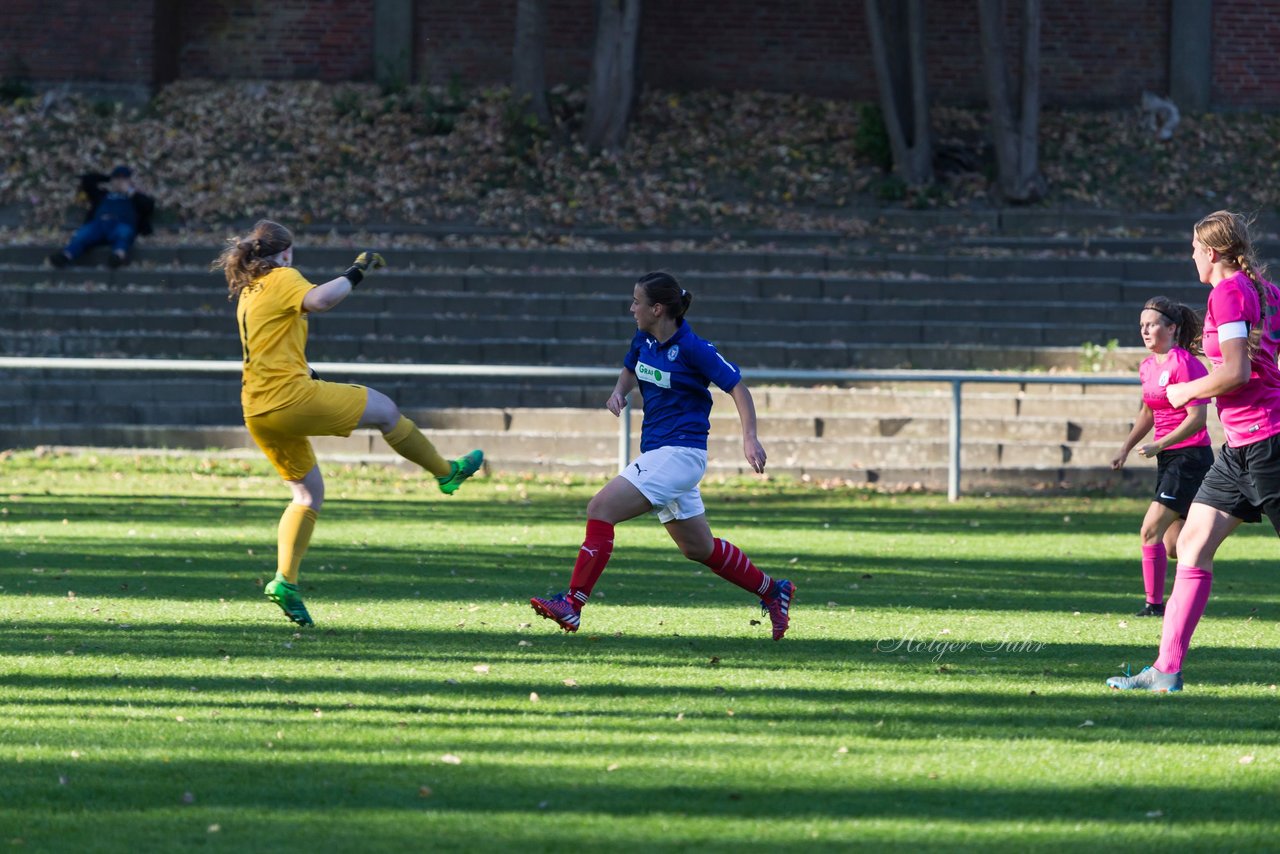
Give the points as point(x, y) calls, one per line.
point(1148, 679)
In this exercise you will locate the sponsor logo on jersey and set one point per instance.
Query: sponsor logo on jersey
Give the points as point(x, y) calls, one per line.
point(650, 374)
point(1164, 379)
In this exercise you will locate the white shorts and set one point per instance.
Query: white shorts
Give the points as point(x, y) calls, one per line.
point(669, 477)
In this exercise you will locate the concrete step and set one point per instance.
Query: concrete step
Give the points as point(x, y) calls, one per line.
point(768, 355)
point(514, 451)
point(76, 309)
point(1036, 263)
point(729, 334)
point(866, 282)
point(1152, 245)
point(219, 405)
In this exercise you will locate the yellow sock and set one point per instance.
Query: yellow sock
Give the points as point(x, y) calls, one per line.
point(407, 441)
point(296, 526)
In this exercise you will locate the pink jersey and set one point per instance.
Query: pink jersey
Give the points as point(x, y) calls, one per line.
point(1179, 366)
point(1251, 413)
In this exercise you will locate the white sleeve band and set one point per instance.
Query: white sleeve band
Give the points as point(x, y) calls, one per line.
point(1234, 329)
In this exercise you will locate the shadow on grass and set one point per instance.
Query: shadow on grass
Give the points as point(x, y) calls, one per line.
point(320, 782)
point(337, 573)
point(785, 509)
point(233, 564)
point(720, 658)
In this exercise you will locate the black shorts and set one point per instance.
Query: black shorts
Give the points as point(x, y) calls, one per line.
point(1178, 476)
point(1245, 482)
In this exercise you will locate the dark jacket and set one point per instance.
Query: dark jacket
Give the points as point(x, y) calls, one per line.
point(143, 205)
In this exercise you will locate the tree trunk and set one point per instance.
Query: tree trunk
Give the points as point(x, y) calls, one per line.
point(897, 49)
point(1015, 133)
point(529, 80)
point(612, 89)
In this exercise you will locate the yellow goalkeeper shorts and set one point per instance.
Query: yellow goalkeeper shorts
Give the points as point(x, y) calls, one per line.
point(334, 409)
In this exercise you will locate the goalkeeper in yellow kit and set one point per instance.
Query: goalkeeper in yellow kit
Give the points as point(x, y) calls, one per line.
point(285, 403)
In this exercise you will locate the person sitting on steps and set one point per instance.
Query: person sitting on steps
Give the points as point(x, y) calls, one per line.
point(117, 214)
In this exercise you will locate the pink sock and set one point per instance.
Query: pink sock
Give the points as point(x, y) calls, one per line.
point(1155, 563)
point(1181, 613)
point(728, 562)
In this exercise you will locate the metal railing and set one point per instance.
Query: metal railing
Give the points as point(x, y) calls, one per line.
point(956, 379)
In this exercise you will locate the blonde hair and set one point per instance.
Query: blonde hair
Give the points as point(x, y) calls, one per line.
point(249, 257)
point(1227, 233)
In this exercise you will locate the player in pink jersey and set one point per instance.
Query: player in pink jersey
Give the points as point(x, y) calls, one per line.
point(1241, 339)
point(1181, 443)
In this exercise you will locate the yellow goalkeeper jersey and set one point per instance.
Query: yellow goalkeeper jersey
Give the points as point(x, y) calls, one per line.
point(273, 339)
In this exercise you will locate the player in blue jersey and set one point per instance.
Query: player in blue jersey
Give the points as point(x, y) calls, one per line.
point(673, 369)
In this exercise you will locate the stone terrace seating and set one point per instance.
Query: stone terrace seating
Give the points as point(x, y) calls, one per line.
point(1025, 302)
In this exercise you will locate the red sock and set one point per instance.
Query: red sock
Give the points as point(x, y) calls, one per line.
point(592, 558)
point(1182, 612)
point(728, 562)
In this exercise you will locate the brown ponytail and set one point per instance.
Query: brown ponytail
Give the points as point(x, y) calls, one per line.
point(248, 258)
point(1182, 318)
point(1228, 234)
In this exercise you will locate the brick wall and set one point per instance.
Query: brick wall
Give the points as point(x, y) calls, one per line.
point(329, 40)
point(1246, 62)
point(1095, 52)
point(474, 41)
point(77, 39)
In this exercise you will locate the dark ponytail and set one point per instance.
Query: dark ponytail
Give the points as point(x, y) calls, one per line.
point(661, 288)
point(1180, 316)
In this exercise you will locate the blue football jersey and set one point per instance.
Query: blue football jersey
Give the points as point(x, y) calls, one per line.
point(673, 378)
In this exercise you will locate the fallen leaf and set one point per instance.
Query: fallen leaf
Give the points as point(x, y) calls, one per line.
point(450, 759)
point(481, 668)
point(533, 697)
point(1247, 759)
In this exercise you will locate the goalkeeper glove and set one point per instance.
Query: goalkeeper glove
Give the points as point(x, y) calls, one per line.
point(365, 261)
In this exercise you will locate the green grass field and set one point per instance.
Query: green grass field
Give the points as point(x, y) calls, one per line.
point(941, 687)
